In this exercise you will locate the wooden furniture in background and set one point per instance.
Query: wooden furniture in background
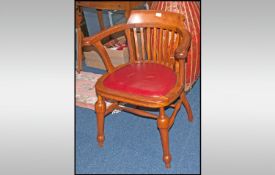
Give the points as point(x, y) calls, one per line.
point(99, 5)
point(79, 36)
point(109, 5)
point(153, 78)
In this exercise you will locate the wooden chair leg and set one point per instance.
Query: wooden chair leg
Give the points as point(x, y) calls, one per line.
point(79, 63)
point(187, 107)
point(163, 125)
point(100, 108)
point(79, 51)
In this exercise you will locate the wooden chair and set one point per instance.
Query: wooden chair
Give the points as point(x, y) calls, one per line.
point(154, 76)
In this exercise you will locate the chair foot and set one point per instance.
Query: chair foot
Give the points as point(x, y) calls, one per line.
point(163, 125)
point(187, 107)
point(78, 71)
point(167, 166)
point(100, 108)
point(100, 145)
point(167, 160)
point(100, 141)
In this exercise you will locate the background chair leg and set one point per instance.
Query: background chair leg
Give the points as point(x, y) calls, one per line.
point(100, 108)
point(163, 125)
point(79, 64)
point(187, 107)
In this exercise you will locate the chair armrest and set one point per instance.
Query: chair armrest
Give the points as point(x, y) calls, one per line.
point(96, 42)
point(182, 50)
point(88, 41)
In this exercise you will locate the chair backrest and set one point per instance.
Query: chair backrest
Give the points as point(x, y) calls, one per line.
point(156, 16)
point(155, 42)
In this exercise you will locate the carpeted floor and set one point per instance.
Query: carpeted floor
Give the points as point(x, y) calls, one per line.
point(132, 144)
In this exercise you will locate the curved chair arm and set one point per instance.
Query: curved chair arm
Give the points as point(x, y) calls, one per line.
point(182, 50)
point(91, 40)
point(96, 42)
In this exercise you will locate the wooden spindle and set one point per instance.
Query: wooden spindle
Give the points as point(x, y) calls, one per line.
point(136, 44)
point(130, 45)
point(160, 59)
point(171, 56)
point(176, 65)
point(166, 39)
point(142, 43)
point(172, 43)
point(148, 30)
point(155, 44)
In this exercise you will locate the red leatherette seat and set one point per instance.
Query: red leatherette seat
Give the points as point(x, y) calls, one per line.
point(146, 79)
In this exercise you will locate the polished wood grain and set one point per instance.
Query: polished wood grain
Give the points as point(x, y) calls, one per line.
point(160, 50)
point(142, 42)
point(163, 125)
point(100, 108)
point(110, 5)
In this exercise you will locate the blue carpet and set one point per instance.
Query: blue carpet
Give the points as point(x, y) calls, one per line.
point(132, 144)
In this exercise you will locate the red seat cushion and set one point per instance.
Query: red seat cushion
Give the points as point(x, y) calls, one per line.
point(146, 79)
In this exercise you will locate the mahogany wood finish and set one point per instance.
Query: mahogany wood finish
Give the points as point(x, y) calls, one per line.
point(145, 47)
point(100, 108)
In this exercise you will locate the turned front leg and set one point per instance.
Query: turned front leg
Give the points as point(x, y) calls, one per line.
point(100, 108)
point(163, 125)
